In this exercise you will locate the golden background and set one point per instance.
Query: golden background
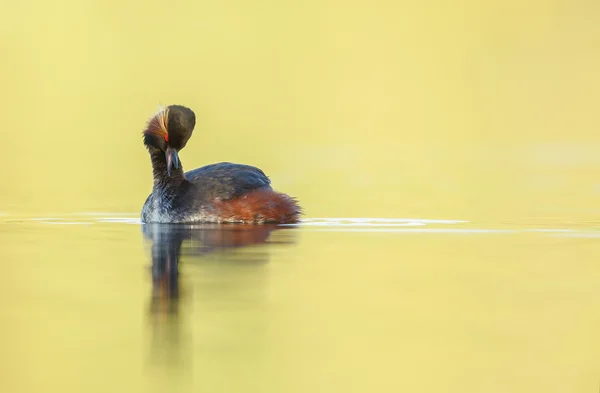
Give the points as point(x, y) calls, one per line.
point(392, 109)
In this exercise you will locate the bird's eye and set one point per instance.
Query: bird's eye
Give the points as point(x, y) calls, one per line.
point(167, 137)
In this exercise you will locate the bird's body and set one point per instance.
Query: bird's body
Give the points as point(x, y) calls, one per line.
point(217, 193)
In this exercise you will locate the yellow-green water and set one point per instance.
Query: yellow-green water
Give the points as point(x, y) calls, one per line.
point(480, 112)
point(332, 305)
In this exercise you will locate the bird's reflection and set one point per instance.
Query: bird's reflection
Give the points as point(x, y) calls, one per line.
point(200, 246)
point(172, 241)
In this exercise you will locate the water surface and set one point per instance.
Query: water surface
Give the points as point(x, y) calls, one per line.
point(96, 303)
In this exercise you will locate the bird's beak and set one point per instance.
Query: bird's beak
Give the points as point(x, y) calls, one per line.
point(172, 159)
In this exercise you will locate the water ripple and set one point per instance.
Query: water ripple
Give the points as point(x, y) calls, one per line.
point(334, 224)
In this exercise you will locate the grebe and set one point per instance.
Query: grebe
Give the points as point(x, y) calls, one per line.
point(216, 193)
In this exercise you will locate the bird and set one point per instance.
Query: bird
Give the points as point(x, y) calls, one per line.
point(216, 193)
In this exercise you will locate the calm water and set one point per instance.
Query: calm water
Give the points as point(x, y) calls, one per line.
point(96, 303)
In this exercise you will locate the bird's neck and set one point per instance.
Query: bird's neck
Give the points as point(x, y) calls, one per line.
point(159, 170)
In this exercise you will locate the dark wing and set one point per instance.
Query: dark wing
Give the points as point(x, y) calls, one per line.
point(226, 180)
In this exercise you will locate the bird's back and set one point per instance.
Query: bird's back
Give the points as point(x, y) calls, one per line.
point(225, 180)
point(240, 193)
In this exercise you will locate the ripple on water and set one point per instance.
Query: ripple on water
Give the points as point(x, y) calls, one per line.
point(373, 222)
point(334, 224)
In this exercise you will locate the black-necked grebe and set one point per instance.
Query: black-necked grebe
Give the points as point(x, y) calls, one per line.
point(218, 193)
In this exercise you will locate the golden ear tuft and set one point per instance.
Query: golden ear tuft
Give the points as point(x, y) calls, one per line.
point(158, 124)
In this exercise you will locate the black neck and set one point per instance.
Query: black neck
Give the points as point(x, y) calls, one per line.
point(159, 170)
